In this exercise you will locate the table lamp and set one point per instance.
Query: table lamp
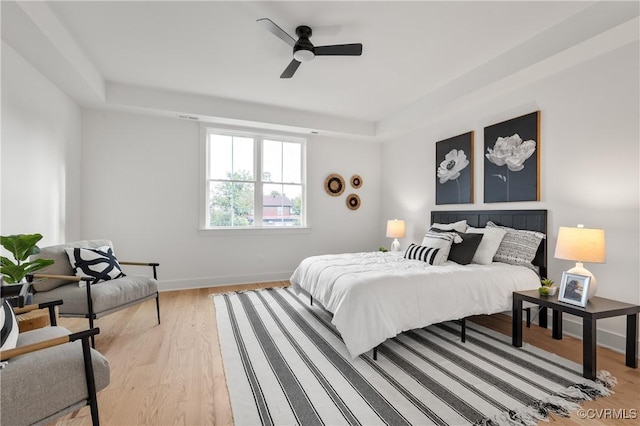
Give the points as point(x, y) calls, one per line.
point(395, 230)
point(581, 244)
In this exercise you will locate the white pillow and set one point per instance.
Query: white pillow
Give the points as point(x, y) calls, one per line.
point(460, 226)
point(488, 245)
point(434, 249)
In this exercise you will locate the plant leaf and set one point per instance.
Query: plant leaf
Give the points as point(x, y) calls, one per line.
point(22, 245)
point(12, 273)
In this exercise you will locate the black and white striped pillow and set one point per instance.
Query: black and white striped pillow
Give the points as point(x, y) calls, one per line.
point(434, 249)
point(9, 333)
point(99, 263)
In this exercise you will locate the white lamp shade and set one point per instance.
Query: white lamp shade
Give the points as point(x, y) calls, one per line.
point(581, 245)
point(395, 228)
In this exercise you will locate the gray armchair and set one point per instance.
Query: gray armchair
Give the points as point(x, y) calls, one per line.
point(93, 300)
point(50, 373)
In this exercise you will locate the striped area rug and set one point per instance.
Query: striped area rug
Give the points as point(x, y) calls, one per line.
point(285, 364)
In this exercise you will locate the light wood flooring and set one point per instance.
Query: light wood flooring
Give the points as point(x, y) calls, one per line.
point(173, 374)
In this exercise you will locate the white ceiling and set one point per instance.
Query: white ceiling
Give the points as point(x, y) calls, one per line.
point(215, 50)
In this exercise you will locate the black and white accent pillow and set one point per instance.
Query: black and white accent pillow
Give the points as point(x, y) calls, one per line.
point(518, 247)
point(434, 249)
point(9, 333)
point(425, 254)
point(99, 263)
point(462, 253)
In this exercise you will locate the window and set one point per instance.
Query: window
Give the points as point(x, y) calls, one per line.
point(253, 181)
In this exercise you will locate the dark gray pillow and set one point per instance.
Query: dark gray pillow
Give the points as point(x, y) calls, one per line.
point(462, 253)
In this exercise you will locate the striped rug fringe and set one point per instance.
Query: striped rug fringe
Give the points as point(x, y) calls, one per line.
point(562, 403)
point(285, 363)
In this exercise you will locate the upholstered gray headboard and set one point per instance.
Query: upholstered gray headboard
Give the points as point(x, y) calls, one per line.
point(534, 220)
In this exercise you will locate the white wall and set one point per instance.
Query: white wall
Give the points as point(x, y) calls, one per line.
point(140, 189)
point(41, 129)
point(589, 167)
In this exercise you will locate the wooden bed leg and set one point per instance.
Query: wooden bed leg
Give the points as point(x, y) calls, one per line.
point(375, 353)
point(463, 330)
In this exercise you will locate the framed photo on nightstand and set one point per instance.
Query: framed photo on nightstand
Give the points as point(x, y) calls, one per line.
point(574, 289)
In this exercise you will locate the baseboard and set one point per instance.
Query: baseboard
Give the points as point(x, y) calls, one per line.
point(219, 281)
point(605, 338)
point(573, 327)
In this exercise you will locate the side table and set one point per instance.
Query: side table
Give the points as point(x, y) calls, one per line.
point(597, 307)
point(33, 319)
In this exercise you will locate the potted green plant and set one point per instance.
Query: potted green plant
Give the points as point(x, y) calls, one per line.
point(21, 246)
point(547, 288)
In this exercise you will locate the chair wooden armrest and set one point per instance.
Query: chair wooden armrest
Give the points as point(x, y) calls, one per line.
point(71, 278)
point(49, 305)
point(154, 265)
point(5, 355)
point(127, 262)
point(54, 276)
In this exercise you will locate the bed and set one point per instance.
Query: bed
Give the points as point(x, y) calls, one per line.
point(375, 296)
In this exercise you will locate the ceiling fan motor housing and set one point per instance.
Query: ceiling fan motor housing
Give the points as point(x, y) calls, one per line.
point(303, 50)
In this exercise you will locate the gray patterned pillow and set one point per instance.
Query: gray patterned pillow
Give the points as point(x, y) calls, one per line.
point(518, 247)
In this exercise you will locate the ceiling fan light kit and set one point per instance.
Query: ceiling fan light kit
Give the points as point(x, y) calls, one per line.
point(303, 49)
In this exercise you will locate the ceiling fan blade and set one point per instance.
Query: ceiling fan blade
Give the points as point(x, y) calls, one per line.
point(270, 26)
point(354, 49)
point(290, 70)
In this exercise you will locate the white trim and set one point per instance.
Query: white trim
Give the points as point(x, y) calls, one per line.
point(604, 338)
point(570, 327)
point(203, 198)
point(258, 139)
point(265, 230)
point(221, 281)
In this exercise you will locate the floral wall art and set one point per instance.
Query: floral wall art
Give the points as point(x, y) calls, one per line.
point(511, 160)
point(454, 170)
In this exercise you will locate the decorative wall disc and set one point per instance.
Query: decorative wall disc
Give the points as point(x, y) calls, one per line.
point(334, 185)
point(353, 201)
point(356, 181)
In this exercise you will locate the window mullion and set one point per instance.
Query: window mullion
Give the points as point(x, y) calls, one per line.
point(257, 189)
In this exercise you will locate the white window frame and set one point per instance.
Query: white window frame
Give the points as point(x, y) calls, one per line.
point(258, 138)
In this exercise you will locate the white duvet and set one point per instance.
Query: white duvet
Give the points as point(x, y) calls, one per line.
point(375, 296)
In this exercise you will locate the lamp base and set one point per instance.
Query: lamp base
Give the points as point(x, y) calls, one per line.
point(395, 245)
point(579, 269)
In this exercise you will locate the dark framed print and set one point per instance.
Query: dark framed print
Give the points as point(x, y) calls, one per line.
point(454, 170)
point(574, 289)
point(511, 160)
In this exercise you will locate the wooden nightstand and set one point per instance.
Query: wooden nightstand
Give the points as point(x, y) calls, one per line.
point(32, 320)
point(597, 307)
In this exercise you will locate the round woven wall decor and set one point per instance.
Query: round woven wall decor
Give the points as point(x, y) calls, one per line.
point(356, 181)
point(334, 185)
point(353, 202)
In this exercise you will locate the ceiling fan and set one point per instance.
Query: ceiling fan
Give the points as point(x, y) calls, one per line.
point(303, 49)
